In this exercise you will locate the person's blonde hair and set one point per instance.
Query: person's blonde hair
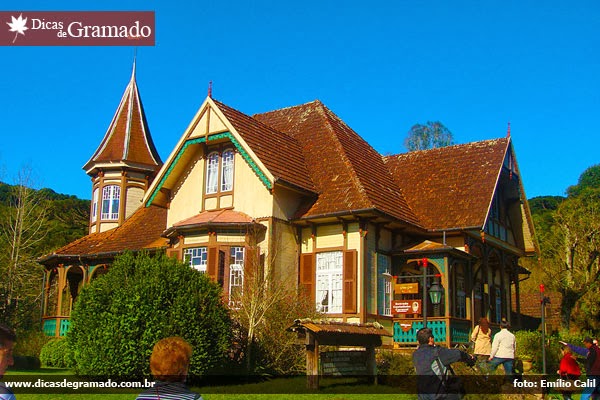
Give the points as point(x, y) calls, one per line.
point(170, 359)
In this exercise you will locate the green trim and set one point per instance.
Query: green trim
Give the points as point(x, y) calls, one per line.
point(225, 135)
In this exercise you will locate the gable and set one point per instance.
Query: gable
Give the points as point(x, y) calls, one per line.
point(450, 187)
point(453, 188)
point(273, 157)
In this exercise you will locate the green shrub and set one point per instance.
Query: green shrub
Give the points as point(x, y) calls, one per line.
point(529, 344)
point(121, 315)
point(56, 353)
point(394, 363)
point(529, 347)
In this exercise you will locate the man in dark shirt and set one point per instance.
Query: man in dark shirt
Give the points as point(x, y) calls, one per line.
point(431, 363)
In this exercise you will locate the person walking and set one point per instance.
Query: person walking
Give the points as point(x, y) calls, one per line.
point(504, 347)
point(591, 352)
point(7, 342)
point(432, 364)
point(482, 338)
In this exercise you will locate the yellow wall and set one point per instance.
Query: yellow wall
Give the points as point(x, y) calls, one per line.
point(285, 253)
point(330, 236)
point(187, 193)
point(285, 202)
point(134, 200)
point(250, 194)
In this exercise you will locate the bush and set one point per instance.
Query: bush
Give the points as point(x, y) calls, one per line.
point(121, 315)
point(394, 363)
point(56, 353)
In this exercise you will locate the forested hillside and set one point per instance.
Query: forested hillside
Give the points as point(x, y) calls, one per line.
point(32, 223)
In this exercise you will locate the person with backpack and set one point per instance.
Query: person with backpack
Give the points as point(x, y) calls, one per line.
point(482, 340)
point(435, 380)
point(591, 352)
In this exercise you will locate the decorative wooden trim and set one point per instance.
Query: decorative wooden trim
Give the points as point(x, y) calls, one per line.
point(224, 135)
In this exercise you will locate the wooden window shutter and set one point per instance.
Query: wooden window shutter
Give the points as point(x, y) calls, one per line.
point(212, 262)
point(251, 265)
point(174, 253)
point(307, 275)
point(349, 303)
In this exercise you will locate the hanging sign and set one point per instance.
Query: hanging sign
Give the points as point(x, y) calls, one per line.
point(406, 326)
point(406, 307)
point(406, 288)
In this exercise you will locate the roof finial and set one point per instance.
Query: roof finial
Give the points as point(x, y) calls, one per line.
point(210, 89)
point(508, 130)
point(134, 60)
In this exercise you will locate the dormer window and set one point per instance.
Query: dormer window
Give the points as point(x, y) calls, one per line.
point(227, 170)
point(212, 173)
point(110, 202)
point(219, 171)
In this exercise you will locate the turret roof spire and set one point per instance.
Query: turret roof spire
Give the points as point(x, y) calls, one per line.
point(127, 141)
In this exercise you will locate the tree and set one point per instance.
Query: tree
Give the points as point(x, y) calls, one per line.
point(267, 306)
point(428, 136)
point(22, 229)
point(119, 317)
point(590, 178)
point(571, 250)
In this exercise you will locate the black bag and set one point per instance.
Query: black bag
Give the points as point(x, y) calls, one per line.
point(450, 383)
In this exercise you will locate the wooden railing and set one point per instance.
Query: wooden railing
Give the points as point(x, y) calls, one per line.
point(56, 326)
point(446, 330)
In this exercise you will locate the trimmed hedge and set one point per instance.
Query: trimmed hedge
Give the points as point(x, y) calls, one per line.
point(141, 299)
point(56, 353)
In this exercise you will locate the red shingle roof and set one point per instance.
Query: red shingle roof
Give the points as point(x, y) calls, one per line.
point(127, 139)
point(142, 230)
point(216, 217)
point(450, 187)
point(280, 153)
point(348, 173)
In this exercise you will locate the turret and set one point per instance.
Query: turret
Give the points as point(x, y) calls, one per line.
point(124, 164)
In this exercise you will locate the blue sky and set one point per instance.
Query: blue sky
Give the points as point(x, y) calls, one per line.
point(382, 66)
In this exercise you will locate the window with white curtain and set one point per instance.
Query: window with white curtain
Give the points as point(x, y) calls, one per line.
point(212, 173)
point(236, 274)
point(329, 282)
point(384, 285)
point(95, 205)
point(110, 202)
point(227, 170)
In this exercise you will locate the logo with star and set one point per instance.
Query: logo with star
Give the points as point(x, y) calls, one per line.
point(18, 25)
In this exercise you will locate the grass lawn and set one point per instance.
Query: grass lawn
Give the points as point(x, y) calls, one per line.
point(275, 389)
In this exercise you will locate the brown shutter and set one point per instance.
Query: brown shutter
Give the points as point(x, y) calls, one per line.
point(307, 275)
point(174, 253)
point(212, 262)
point(251, 267)
point(349, 304)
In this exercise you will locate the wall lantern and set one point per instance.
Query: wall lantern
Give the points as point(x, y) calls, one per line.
point(435, 293)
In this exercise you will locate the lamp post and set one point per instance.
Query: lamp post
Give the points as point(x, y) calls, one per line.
point(435, 292)
point(543, 301)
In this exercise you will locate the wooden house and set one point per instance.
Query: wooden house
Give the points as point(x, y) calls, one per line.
point(298, 190)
